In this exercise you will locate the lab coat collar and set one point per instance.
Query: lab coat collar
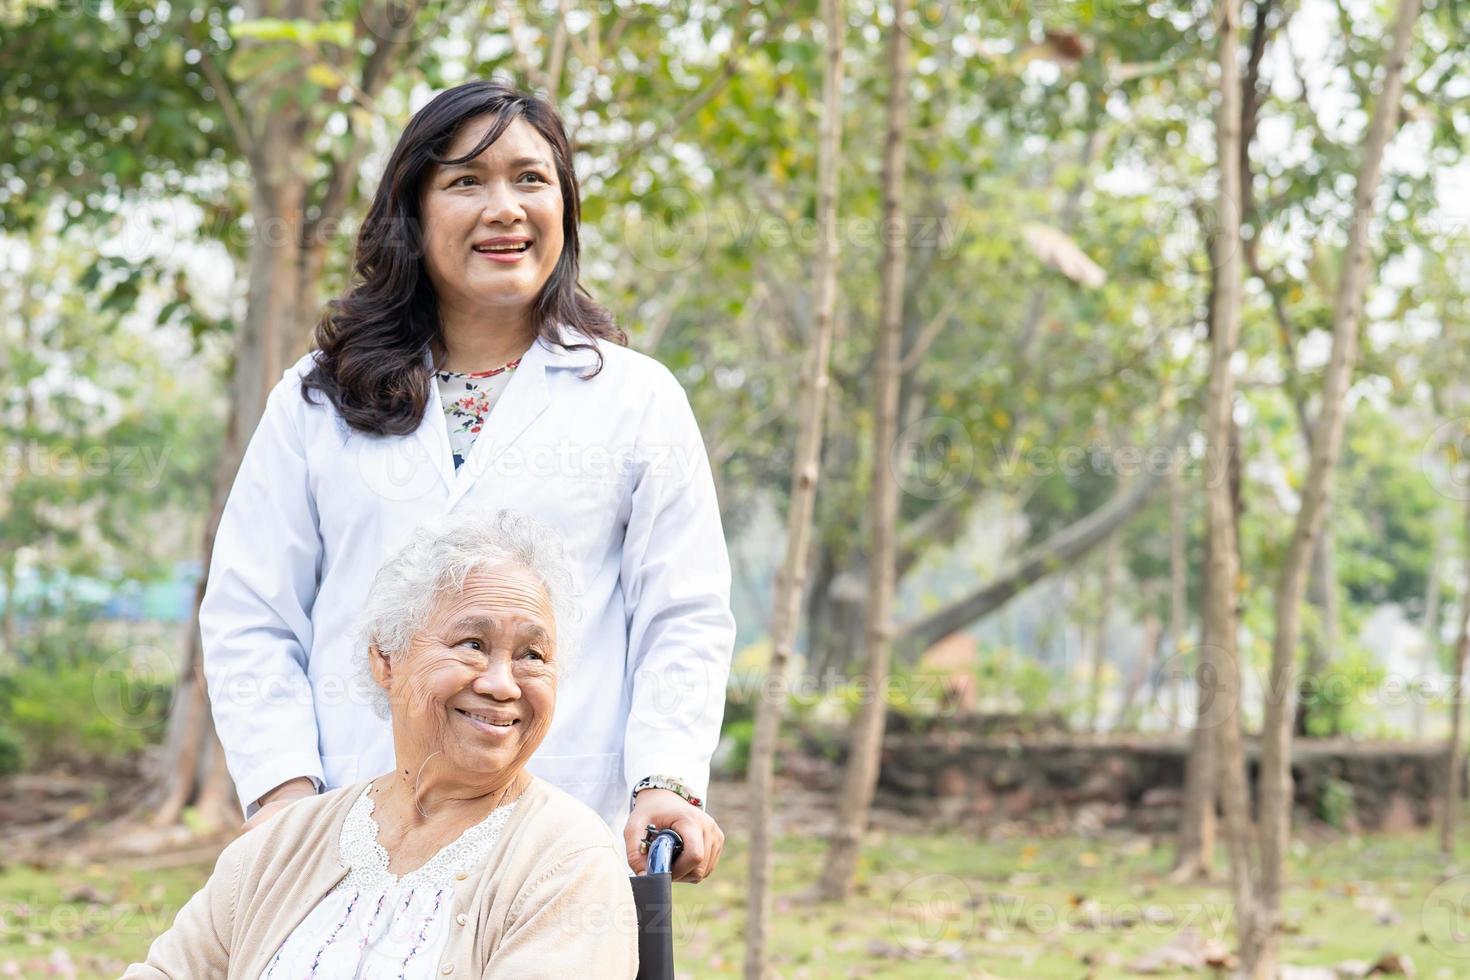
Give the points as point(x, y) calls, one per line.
point(551, 355)
point(557, 355)
point(525, 398)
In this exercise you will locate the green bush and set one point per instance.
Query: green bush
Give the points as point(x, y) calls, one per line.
point(1336, 805)
point(1335, 702)
point(85, 713)
point(12, 754)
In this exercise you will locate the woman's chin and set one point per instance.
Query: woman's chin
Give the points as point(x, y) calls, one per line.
point(494, 762)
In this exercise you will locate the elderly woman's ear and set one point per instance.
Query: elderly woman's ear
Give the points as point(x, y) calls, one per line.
point(381, 666)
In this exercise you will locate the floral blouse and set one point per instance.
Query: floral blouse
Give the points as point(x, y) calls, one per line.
point(378, 924)
point(468, 398)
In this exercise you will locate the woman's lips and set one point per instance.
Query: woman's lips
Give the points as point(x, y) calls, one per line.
point(498, 731)
point(506, 258)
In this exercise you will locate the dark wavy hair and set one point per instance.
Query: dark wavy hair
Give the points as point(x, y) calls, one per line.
point(373, 339)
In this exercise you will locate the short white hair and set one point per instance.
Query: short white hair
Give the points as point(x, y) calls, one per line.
point(436, 559)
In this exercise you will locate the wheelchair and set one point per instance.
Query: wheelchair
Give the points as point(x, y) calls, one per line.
point(654, 900)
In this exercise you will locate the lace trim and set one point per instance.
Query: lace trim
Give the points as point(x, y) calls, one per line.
point(368, 860)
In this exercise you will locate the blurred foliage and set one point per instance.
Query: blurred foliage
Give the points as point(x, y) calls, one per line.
point(1341, 699)
point(123, 188)
point(76, 702)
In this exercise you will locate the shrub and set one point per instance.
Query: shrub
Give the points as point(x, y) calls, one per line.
point(1334, 702)
point(85, 713)
point(1336, 804)
point(12, 754)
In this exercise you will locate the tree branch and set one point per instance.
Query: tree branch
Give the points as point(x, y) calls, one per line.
point(513, 19)
point(376, 72)
point(728, 68)
point(228, 104)
point(1060, 549)
point(929, 333)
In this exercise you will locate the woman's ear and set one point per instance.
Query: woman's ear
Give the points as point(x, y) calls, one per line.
point(381, 666)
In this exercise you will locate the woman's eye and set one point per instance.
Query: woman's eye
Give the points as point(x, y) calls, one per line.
point(472, 644)
point(456, 182)
point(537, 654)
point(535, 176)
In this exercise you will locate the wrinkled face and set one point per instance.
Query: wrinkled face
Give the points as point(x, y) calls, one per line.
point(493, 225)
point(478, 683)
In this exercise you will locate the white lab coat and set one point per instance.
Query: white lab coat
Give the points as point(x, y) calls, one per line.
point(614, 462)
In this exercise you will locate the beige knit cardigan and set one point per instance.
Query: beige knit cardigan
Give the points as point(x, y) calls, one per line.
point(552, 899)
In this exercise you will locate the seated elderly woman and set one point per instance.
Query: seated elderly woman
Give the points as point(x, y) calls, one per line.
point(458, 863)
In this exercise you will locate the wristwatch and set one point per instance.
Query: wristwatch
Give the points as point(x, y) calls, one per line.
point(665, 782)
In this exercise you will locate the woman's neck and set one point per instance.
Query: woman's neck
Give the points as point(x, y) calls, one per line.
point(475, 344)
point(429, 795)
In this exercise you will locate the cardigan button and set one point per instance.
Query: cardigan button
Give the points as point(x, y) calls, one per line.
point(461, 876)
point(461, 918)
point(447, 970)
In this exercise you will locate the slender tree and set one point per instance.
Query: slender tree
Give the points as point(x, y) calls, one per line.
point(1429, 653)
point(805, 469)
point(293, 214)
point(1218, 606)
point(861, 775)
point(1327, 432)
point(1455, 751)
point(1257, 875)
point(1108, 577)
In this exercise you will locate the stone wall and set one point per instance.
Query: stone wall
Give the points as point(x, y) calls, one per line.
point(973, 775)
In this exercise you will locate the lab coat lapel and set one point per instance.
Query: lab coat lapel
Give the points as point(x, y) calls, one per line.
point(432, 435)
point(523, 400)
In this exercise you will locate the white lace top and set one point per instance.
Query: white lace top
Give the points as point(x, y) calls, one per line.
point(377, 924)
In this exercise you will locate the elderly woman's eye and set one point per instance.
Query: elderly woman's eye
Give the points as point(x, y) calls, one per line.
point(537, 654)
point(472, 644)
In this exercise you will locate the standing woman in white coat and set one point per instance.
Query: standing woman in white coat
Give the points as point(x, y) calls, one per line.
point(465, 367)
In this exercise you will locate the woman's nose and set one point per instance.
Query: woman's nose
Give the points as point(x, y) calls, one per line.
point(497, 681)
point(501, 205)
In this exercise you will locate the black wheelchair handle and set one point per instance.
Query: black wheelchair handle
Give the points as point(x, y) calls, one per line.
point(663, 851)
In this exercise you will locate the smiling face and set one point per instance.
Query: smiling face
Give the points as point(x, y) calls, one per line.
point(478, 682)
point(493, 225)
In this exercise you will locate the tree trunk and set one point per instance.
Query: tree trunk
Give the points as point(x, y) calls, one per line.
point(1195, 855)
point(834, 620)
point(1455, 751)
point(806, 468)
point(1195, 850)
point(1322, 594)
point(1352, 286)
point(1148, 653)
point(8, 632)
point(861, 775)
point(1429, 655)
point(285, 260)
point(1178, 569)
point(1100, 633)
point(1218, 606)
point(193, 754)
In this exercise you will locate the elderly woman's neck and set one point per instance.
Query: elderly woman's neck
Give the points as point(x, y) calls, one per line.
point(433, 794)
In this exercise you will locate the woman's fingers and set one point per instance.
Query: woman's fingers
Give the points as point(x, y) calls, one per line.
point(703, 839)
point(692, 864)
point(637, 860)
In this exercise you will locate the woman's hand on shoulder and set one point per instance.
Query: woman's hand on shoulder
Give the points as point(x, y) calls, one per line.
point(278, 799)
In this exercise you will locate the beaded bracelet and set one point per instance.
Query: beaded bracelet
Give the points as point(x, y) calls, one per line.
point(665, 782)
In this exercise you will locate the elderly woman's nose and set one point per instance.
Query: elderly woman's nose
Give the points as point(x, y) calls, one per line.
point(497, 680)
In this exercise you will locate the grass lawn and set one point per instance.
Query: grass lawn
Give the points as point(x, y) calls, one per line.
point(945, 906)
